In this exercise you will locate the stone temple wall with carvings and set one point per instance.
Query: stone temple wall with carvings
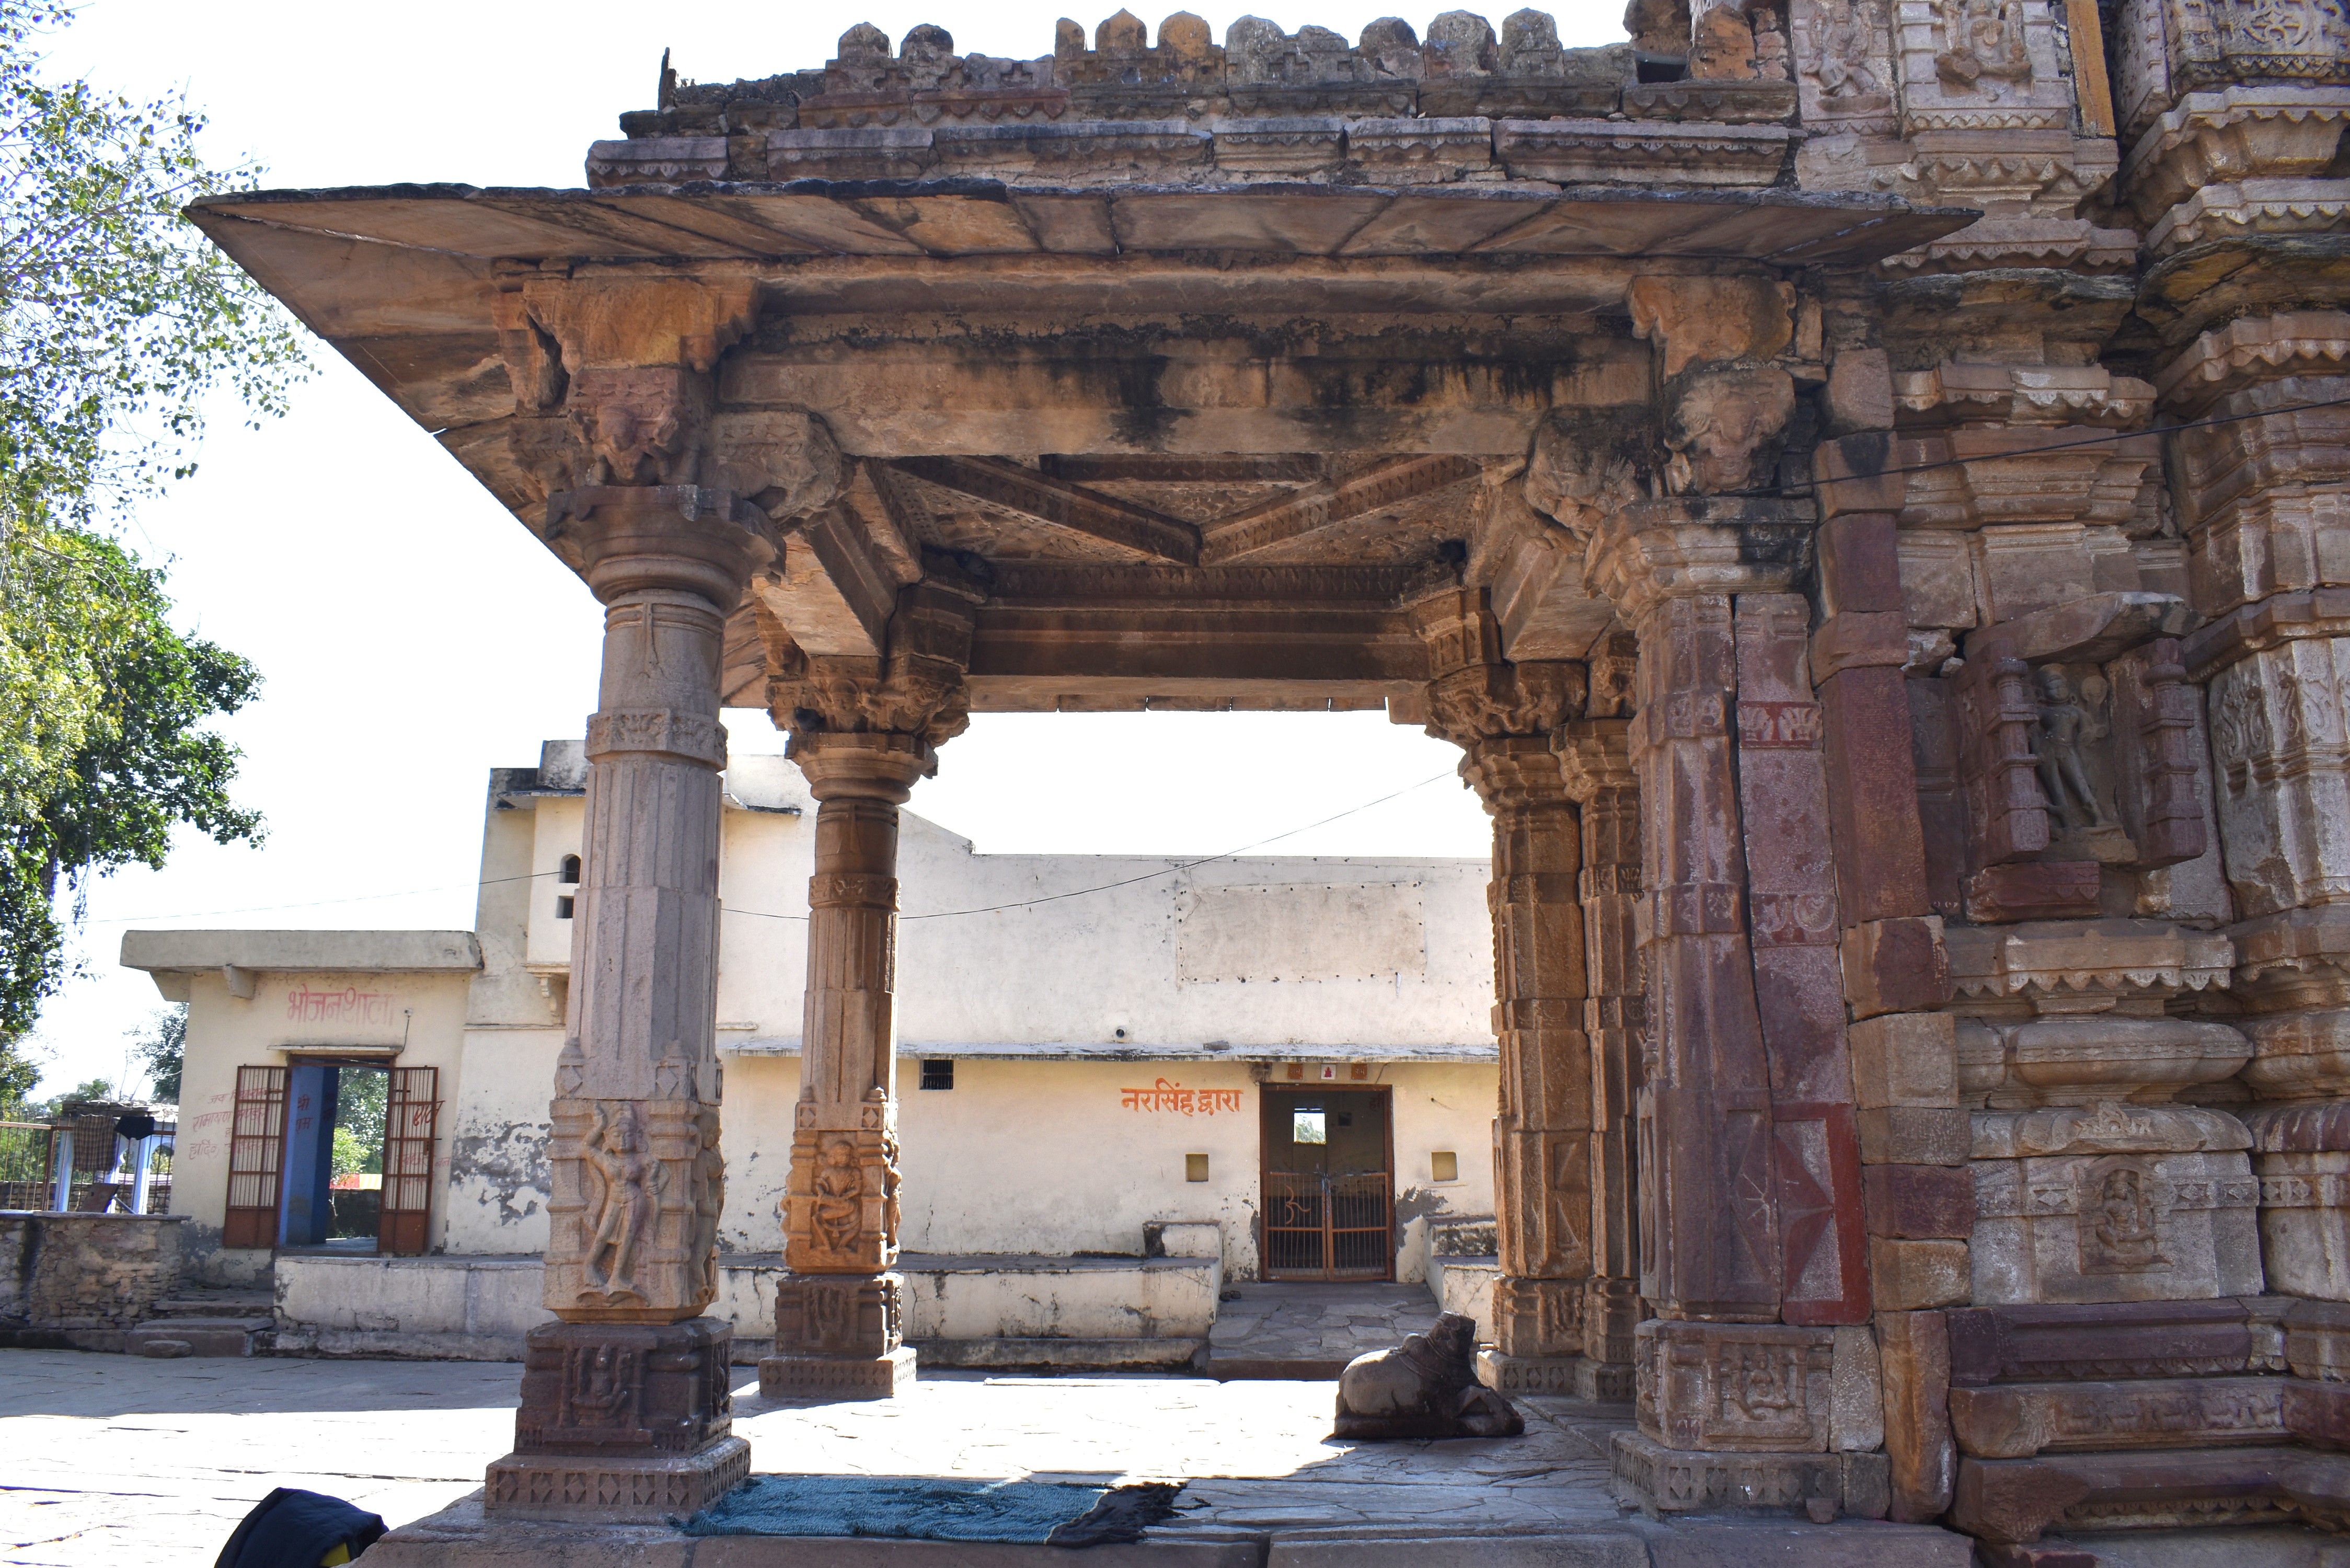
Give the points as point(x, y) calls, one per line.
point(1866, 484)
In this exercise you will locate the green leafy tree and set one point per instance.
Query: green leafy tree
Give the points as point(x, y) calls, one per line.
point(117, 324)
point(360, 1106)
point(161, 1042)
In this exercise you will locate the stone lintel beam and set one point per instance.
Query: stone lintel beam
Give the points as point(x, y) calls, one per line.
point(1120, 635)
point(1101, 519)
point(1329, 505)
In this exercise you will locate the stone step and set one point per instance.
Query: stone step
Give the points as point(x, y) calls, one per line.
point(1274, 1368)
point(240, 1304)
point(173, 1336)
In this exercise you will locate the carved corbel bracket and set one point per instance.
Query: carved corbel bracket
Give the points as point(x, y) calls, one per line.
point(917, 690)
point(1595, 756)
point(1652, 551)
point(628, 363)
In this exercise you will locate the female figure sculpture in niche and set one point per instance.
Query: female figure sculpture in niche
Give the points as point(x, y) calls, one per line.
point(2065, 726)
point(631, 1183)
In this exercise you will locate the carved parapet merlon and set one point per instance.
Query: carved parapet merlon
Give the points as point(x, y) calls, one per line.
point(2171, 53)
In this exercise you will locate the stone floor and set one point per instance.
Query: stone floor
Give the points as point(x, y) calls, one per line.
point(1311, 1330)
point(107, 1459)
point(111, 1459)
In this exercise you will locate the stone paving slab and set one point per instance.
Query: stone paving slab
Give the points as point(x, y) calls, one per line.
point(1320, 1327)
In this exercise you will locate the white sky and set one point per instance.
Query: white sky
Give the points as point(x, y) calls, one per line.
point(412, 636)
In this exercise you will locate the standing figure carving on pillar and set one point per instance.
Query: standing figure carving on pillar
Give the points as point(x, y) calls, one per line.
point(2066, 727)
point(624, 1214)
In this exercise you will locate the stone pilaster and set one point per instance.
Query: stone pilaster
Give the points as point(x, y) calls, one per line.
point(864, 732)
point(1503, 714)
point(1595, 754)
point(1733, 1404)
point(626, 1412)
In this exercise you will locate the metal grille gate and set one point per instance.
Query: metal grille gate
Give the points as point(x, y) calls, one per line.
point(256, 1144)
point(409, 1114)
point(1327, 1227)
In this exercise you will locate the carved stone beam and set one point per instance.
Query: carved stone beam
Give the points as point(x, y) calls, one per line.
point(1102, 519)
point(1054, 635)
point(1331, 503)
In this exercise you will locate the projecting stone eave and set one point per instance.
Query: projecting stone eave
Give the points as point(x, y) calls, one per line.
point(958, 218)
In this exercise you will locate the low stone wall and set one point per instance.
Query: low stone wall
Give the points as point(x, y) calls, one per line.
point(1465, 1286)
point(84, 1279)
point(424, 1309)
point(986, 1310)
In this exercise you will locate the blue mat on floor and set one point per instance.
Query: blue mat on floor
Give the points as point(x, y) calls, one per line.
point(916, 1509)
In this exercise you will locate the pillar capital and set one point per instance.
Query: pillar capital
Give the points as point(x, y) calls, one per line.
point(915, 691)
point(632, 540)
point(872, 764)
point(1514, 774)
point(1596, 758)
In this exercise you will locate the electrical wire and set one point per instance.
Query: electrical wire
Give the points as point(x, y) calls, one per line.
point(764, 915)
point(1130, 881)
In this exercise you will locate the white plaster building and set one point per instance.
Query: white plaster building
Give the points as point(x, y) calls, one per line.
point(1099, 1058)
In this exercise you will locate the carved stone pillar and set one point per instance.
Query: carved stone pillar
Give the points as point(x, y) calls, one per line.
point(1596, 757)
point(625, 1407)
point(1733, 1403)
point(1503, 714)
point(863, 731)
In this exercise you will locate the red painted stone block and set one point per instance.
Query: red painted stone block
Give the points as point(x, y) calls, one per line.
point(1821, 1231)
point(1896, 966)
point(1880, 842)
point(2033, 890)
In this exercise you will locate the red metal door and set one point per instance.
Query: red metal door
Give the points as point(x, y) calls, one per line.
point(412, 1118)
point(257, 1145)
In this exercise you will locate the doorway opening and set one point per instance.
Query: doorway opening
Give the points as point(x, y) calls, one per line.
point(333, 1154)
point(1328, 1164)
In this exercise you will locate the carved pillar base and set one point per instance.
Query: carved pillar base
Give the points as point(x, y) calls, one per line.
point(837, 1338)
point(622, 1424)
point(1570, 1376)
point(1744, 1417)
